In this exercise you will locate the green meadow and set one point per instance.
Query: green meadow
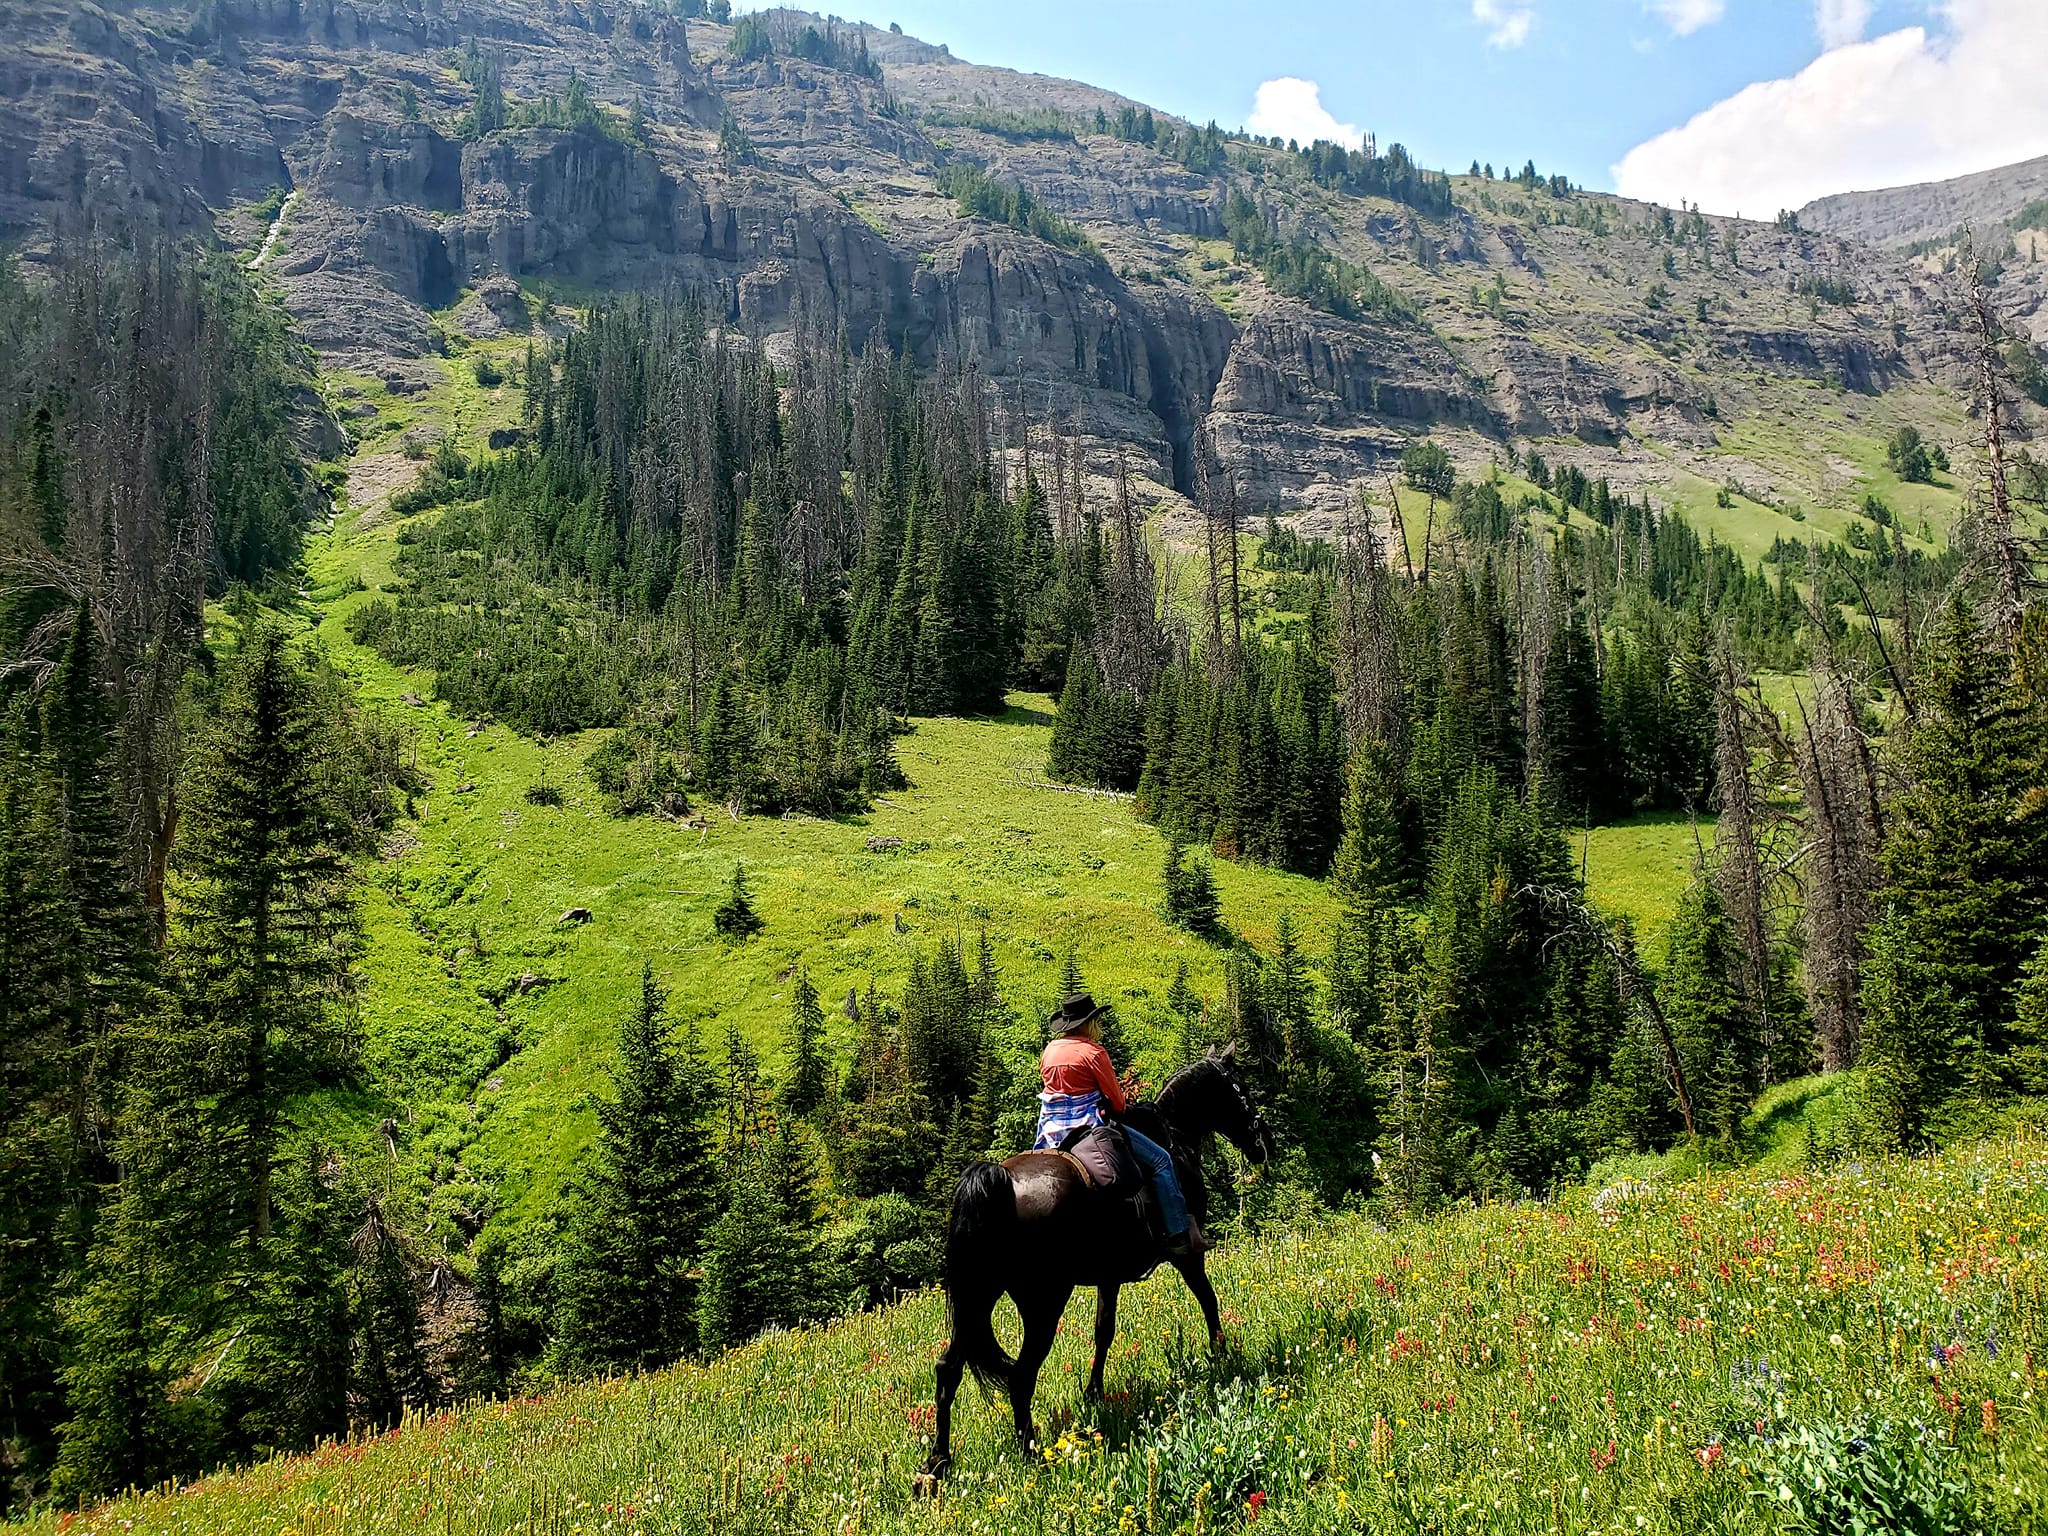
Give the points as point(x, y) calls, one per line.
point(1855, 1348)
point(476, 985)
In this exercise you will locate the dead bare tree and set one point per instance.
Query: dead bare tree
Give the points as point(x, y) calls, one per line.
point(1128, 641)
point(1575, 916)
point(1836, 860)
point(1741, 867)
point(2012, 572)
point(1368, 639)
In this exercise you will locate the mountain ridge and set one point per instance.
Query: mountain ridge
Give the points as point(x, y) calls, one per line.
point(1925, 210)
point(1625, 339)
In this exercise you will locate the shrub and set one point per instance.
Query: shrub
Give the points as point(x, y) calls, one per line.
point(1827, 1478)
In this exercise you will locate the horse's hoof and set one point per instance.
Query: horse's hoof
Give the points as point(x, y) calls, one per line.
point(926, 1484)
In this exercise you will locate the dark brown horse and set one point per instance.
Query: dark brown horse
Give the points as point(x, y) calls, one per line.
point(1033, 1228)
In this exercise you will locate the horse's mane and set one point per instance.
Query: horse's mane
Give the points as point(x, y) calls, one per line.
point(1185, 1080)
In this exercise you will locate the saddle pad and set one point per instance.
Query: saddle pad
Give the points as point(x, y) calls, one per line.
point(1102, 1154)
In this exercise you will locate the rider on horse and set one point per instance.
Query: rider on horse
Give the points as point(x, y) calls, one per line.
point(1081, 1089)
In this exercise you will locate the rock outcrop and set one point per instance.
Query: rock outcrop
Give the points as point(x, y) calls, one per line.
point(786, 187)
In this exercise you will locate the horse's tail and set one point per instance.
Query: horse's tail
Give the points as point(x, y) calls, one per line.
point(981, 1238)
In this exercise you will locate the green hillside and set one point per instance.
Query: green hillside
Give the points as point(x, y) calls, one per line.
point(477, 991)
point(1833, 1350)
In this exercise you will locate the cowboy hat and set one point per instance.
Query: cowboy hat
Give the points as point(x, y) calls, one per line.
point(1075, 1009)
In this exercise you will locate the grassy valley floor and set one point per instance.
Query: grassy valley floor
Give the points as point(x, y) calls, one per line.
point(477, 988)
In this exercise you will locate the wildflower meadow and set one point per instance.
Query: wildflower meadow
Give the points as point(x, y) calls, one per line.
point(1856, 1349)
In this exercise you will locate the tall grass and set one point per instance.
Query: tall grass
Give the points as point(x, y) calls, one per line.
point(1742, 1352)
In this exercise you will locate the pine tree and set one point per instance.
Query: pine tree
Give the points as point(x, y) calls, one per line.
point(39, 1244)
point(1075, 753)
point(2029, 1064)
point(642, 1204)
point(265, 915)
point(803, 1086)
point(744, 1102)
point(1709, 1015)
point(1965, 866)
point(1189, 1014)
point(1190, 892)
point(100, 934)
point(1373, 865)
point(386, 1297)
point(735, 919)
point(1420, 1154)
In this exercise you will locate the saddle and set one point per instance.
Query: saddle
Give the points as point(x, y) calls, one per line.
point(1104, 1156)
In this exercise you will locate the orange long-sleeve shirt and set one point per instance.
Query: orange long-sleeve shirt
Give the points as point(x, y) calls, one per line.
point(1076, 1064)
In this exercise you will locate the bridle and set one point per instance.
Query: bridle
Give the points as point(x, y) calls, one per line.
point(1211, 1067)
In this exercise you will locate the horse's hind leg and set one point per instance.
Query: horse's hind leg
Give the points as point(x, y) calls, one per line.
point(1105, 1333)
point(952, 1361)
point(1041, 1314)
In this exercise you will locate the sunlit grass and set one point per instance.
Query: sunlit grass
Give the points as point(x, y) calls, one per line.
point(1636, 1356)
point(1639, 868)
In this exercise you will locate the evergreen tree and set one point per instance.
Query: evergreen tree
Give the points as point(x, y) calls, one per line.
point(1707, 1010)
point(1188, 1015)
point(803, 1086)
point(735, 919)
point(39, 1245)
point(1373, 864)
point(1190, 892)
point(1965, 893)
point(265, 918)
point(747, 1258)
point(386, 1296)
point(642, 1203)
point(1076, 752)
point(101, 941)
point(2029, 1064)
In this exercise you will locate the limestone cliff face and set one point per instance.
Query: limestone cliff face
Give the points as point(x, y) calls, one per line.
point(781, 188)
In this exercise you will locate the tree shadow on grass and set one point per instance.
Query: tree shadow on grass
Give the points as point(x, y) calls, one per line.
point(1022, 714)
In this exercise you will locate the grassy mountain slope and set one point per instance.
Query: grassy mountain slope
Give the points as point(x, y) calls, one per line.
point(487, 1017)
point(484, 1012)
point(1727, 1353)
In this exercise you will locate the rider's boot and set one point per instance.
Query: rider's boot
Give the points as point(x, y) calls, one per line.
point(1189, 1243)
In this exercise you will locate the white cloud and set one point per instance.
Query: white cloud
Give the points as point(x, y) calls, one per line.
point(1840, 22)
point(1293, 109)
point(1911, 105)
point(1685, 17)
point(1507, 22)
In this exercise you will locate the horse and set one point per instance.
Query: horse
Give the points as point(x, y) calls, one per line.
point(1032, 1227)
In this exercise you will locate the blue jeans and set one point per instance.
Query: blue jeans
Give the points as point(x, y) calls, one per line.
point(1173, 1206)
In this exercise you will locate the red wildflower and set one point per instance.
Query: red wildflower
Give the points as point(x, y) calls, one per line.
point(1254, 1505)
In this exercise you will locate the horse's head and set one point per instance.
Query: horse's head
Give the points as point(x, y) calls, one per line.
point(1236, 1117)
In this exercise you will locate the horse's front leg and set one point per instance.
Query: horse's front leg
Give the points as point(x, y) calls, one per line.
point(1193, 1271)
point(1105, 1333)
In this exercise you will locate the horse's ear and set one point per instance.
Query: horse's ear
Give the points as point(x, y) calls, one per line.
point(1229, 1052)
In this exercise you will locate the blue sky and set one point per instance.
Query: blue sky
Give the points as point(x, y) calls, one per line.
point(1793, 97)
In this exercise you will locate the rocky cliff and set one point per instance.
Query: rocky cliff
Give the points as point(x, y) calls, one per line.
point(785, 186)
